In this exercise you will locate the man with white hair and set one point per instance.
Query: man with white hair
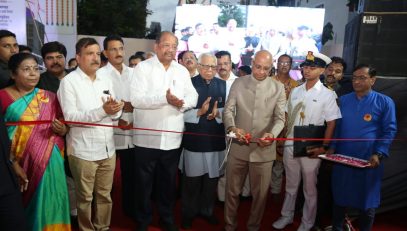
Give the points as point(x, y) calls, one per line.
point(203, 155)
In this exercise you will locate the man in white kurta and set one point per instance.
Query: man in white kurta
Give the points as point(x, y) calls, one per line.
point(86, 96)
point(161, 90)
point(120, 76)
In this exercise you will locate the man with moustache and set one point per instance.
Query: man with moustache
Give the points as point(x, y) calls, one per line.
point(283, 69)
point(8, 47)
point(255, 105)
point(334, 73)
point(161, 90)
point(369, 115)
point(120, 75)
point(188, 60)
point(333, 77)
point(308, 104)
point(224, 69)
point(202, 156)
point(53, 54)
point(86, 96)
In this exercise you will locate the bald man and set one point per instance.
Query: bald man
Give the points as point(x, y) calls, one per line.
point(255, 105)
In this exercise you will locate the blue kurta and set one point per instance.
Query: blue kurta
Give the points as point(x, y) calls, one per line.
point(372, 117)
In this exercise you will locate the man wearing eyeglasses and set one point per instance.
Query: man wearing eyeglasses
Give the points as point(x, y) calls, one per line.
point(53, 54)
point(8, 47)
point(255, 106)
point(370, 115)
point(283, 69)
point(224, 72)
point(310, 103)
point(203, 155)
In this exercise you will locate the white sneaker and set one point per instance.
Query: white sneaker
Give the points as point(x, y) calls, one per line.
point(303, 228)
point(282, 222)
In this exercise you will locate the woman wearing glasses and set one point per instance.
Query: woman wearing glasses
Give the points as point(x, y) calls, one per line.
point(36, 148)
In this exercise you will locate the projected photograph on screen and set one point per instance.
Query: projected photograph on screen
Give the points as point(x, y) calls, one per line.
point(243, 30)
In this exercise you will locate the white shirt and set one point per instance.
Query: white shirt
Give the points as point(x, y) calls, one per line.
point(319, 105)
point(148, 88)
point(123, 139)
point(81, 101)
point(200, 44)
point(229, 82)
point(231, 41)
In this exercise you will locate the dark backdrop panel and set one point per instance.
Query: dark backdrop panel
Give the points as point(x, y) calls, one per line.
point(382, 6)
point(394, 184)
point(379, 40)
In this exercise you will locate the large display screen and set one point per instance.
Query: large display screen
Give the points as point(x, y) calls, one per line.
point(243, 30)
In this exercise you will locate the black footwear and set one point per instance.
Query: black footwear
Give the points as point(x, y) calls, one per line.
point(168, 226)
point(142, 227)
point(74, 222)
point(186, 223)
point(245, 198)
point(211, 219)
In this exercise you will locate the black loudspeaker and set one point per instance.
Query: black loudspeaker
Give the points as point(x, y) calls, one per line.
point(382, 6)
point(378, 39)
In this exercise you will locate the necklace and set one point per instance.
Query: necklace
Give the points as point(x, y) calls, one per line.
point(34, 110)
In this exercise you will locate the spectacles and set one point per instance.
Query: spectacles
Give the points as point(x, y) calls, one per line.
point(206, 67)
point(359, 78)
point(284, 63)
point(29, 69)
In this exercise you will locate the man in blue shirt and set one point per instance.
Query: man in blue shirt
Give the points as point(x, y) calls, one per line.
point(366, 114)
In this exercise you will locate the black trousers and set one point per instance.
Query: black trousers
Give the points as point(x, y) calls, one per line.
point(159, 168)
point(12, 216)
point(127, 175)
point(325, 198)
point(198, 195)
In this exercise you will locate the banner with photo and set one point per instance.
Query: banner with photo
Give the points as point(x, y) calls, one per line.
point(243, 30)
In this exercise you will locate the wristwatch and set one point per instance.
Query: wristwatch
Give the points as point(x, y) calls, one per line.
point(325, 147)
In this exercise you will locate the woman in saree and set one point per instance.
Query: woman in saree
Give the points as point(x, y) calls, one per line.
point(36, 148)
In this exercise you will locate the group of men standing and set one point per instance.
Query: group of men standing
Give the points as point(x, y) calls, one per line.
point(159, 101)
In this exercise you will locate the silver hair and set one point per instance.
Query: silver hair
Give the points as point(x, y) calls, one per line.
point(201, 56)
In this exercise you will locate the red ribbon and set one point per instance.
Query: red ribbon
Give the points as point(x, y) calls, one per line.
point(37, 122)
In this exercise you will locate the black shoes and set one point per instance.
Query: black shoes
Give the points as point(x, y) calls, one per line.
point(186, 223)
point(142, 227)
point(211, 219)
point(168, 226)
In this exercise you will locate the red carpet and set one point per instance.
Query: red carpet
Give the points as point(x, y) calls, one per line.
point(391, 221)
